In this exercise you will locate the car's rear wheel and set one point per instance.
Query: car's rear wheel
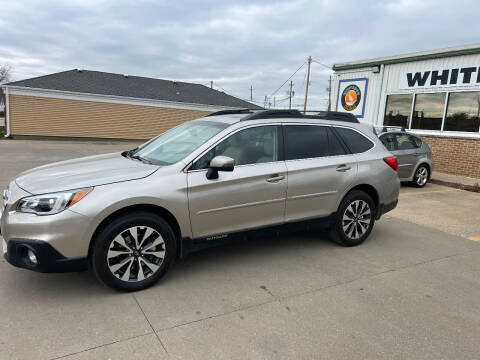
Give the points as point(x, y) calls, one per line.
point(354, 220)
point(422, 174)
point(133, 251)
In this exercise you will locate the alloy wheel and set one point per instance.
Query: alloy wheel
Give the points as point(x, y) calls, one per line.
point(136, 253)
point(356, 219)
point(421, 176)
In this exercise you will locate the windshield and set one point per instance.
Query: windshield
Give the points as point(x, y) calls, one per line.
point(175, 144)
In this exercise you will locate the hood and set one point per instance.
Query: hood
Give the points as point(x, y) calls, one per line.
point(83, 172)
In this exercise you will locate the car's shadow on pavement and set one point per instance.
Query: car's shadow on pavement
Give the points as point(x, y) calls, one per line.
point(227, 256)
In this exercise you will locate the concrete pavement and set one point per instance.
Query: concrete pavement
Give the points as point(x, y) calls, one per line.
point(409, 292)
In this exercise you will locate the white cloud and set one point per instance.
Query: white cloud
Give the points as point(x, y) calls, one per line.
point(234, 43)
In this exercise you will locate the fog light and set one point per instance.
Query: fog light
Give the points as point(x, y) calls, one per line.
point(32, 257)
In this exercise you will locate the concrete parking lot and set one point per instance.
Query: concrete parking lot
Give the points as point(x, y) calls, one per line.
point(411, 291)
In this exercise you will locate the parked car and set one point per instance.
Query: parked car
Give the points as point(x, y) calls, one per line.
point(415, 160)
point(228, 175)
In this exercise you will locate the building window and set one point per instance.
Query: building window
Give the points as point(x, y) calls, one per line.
point(428, 111)
point(463, 112)
point(397, 112)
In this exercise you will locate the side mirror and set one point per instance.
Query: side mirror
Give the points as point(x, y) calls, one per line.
point(219, 163)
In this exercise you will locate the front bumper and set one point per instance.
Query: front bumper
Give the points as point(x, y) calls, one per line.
point(48, 259)
point(66, 232)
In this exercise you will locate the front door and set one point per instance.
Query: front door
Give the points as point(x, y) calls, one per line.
point(251, 196)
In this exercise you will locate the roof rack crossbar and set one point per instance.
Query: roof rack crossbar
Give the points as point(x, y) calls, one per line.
point(229, 112)
point(390, 128)
point(324, 115)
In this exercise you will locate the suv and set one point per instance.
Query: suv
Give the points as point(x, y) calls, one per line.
point(232, 173)
point(415, 160)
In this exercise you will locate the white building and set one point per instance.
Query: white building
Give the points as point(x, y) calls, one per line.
point(433, 93)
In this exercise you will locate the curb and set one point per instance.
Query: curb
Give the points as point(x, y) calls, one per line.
point(473, 188)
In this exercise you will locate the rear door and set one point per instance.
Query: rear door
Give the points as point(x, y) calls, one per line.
point(320, 169)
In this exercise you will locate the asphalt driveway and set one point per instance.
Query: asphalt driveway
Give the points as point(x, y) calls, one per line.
point(411, 291)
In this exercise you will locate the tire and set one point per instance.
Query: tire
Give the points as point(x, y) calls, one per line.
point(421, 177)
point(126, 264)
point(354, 220)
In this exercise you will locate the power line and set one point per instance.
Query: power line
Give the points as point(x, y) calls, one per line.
point(325, 66)
point(287, 80)
point(230, 93)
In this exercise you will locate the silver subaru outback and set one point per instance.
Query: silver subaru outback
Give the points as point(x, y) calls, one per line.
point(229, 175)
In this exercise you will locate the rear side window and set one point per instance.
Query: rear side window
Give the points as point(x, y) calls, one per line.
point(406, 142)
point(334, 146)
point(356, 142)
point(390, 142)
point(305, 141)
point(417, 141)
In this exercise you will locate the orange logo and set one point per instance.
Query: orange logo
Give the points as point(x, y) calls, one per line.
point(350, 98)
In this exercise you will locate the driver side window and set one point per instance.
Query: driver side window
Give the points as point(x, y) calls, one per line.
point(250, 146)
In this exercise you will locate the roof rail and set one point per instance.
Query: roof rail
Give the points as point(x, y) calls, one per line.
point(229, 112)
point(325, 115)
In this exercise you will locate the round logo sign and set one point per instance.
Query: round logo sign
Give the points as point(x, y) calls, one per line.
point(351, 96)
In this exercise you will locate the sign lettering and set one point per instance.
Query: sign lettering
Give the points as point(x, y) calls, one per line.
point(463, 77)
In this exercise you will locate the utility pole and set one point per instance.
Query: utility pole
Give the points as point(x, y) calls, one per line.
point(306, 88)
point(329, 93)
point(251, 93)
point(290, 95)
point(275, 105)
point(211, 84)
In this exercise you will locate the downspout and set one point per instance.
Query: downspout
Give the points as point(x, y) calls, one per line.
point(7, 113)
point(377, 110)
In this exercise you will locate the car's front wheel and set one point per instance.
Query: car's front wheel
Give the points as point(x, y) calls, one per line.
point(354, 220)
point(133, 251)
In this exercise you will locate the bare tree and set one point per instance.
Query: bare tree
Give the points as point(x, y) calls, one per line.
point(5, 73)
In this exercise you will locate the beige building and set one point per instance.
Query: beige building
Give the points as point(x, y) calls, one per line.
point(92, 104)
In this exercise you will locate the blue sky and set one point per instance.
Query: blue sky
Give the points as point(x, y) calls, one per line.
point(234, 43)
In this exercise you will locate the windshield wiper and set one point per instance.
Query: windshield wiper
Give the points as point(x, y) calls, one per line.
point(128, 153)
point(139, 158)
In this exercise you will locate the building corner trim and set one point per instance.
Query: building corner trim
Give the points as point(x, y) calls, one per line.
point(7, 113)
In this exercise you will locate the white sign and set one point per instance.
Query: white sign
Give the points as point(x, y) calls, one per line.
point(351, 96)
point(468, 76)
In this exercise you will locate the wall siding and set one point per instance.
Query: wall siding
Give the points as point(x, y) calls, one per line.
point(459, 156)
point(41, 116)
point(372, 92)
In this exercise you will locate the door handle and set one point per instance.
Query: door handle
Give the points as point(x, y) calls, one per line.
point(275, 178)
point(343, 168)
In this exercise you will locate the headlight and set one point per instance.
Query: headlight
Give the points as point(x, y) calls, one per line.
point(49, 204)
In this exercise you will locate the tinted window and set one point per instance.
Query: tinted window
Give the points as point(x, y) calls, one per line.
point(463, 112)
point(406, 142)
point(250, 146)
point(397, 111)
point(334, 145)
point(390, 142)
point(305, 141)
point(356, 142)
point(428, 111)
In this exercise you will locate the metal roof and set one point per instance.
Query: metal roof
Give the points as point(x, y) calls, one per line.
point(416, 56)
point(102, 83)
